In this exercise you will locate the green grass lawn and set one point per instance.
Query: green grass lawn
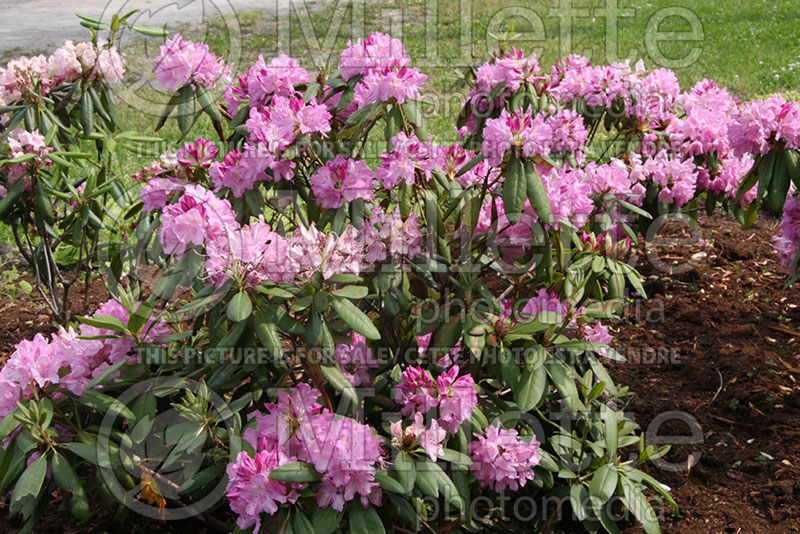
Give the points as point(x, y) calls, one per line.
point(751, 46)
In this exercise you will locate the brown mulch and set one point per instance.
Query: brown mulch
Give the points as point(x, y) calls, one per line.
point(721, 343)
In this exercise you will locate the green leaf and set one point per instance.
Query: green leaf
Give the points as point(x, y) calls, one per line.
point(432, 480)
point(139, 317)
point(609, 523)
point(66, 478)
point(275, 292)
point(268, 334)
point(388, 483)
point(43, 208)
point(405, 512)
point(186, 112)
point(9, 424)
point(344, 278)
point(355, 318)
point(14, 192)
point(206, 101)
point(240, 307)
point(537, 194)
point(455, 457)
point(749, 179)
point(652, 483)
point(333, 374)
point(514, 190)
point(604, 483)
point(106, 322)
point(532, 387)
point(579, 499)
point(101, 378)
point(413, 114)
point(611, 432)
point(793, 165)
point(87, 113)
point(469, 165)
point(779, 186)
point(365, 113)
point(635, 500)
point(765, 174)
point(102, 403)
point(351, 292)
point(405, 471)
point(325, 520)
point(564, 379)
point(447, 335)
point(30, 483)
point(87, 452)
point(301, 524)
point(364, 520)
point(298, 472)
point(151, 31)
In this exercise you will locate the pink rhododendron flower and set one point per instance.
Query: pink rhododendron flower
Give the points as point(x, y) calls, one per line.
point(387, 234)
point(595, 86)
point(199, 153)
point(382, 63)
point(654, 97)
point(703, 129)
point(250, 490)
point(197, 217)
point(312, 251)
point(595, 332)
point(342, 180)
point(22, 76)
point(502, 460)
point(496, 80)
point(20, 143)
point(676, 176)
point(568, 130)
point(156, 193)
point(547, 307)
point(450, 159)
point(757, 126)
point(250, 255)
point(279, 77)
point(457, 398)
point(408, 158)
point(787, 244)
point(239, 171)
point(454, 396)
point(356, 361)
point(185, 62)
point(297, 428)
point(417, 391)
point(530, 136)
point(430, 439)
point(64, 359)
point(85, 60)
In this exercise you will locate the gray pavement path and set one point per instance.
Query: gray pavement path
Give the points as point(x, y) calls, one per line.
point(40, 25)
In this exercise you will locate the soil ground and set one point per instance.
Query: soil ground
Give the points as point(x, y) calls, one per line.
point(727, 353)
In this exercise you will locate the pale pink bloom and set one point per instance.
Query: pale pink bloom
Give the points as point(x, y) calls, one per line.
point(185, 62)
point(342, 180)
point(503, 461)
point(356, 360)
point(457, 398)
point(430, 439)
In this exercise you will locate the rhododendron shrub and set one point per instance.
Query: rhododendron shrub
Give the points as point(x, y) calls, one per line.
point(429, 322)
point(58, 175)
